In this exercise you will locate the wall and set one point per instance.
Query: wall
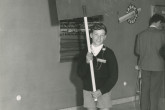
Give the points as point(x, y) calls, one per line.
point(29, 59)
point(121, 40)
point(29, 54)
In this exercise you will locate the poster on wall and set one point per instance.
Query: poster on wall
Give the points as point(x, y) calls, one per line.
point(160, 9)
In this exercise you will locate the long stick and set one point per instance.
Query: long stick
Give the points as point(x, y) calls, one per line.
point(89, 50)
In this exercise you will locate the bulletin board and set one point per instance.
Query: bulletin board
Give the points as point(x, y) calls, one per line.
point(72, 36)
point(159, 9)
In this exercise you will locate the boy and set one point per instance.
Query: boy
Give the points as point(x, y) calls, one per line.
point(105, 70)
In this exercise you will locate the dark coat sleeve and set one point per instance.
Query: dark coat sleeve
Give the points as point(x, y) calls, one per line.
point(162, 51)
point(113, 72)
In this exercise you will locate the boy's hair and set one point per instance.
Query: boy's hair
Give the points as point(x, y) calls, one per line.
point(155, 18)
point(98, 26)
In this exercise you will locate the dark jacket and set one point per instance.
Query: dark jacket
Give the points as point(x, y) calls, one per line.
point(106, 73)
point(148, 44)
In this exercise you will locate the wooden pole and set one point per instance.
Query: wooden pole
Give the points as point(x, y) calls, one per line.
point(89, 49)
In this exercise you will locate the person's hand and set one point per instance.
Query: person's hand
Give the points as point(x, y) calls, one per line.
point(96, 94)
point(89, 57)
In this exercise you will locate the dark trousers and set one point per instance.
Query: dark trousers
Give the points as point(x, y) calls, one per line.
point(151, 89)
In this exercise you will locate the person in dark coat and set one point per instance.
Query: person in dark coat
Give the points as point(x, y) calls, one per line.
point(147, 48)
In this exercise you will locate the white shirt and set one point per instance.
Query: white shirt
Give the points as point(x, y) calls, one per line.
point(96, 50)
point(153, 26)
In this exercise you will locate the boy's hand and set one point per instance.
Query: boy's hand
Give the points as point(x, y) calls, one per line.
point(89, 57)
point(96, 94)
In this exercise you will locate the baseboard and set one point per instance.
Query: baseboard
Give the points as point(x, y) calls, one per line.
point(124, 100)
point(114, 102)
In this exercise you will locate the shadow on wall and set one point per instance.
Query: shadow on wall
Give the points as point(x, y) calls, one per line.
point(76, 82)
point(53, 12)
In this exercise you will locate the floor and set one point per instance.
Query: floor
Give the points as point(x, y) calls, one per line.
point(133, 106)
point(126, 106)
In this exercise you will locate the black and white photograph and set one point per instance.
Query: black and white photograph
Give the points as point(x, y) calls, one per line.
point(82, 54)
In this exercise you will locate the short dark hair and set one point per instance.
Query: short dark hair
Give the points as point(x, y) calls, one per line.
point(98, 26)
point(155, 18)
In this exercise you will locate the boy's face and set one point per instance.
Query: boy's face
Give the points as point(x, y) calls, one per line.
point(98, 36)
